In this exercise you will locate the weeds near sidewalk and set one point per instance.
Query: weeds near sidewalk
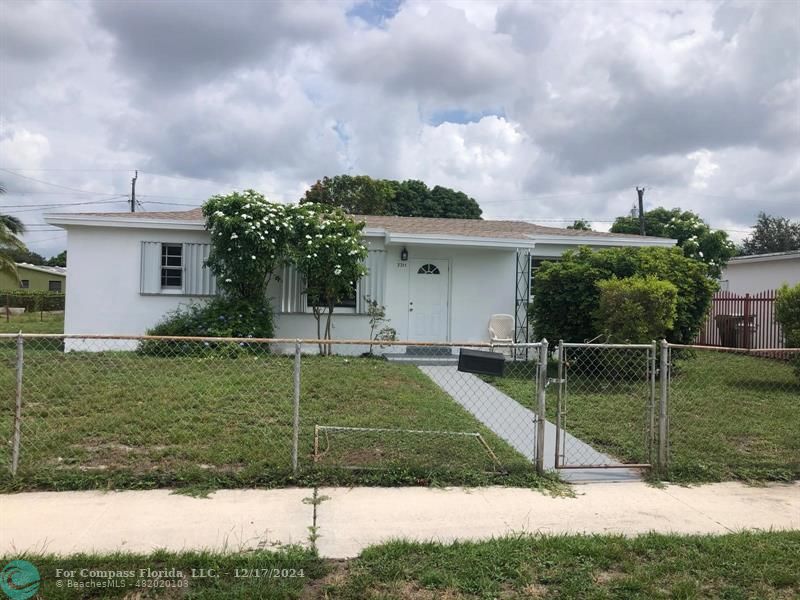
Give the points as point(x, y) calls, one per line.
point(742, 565)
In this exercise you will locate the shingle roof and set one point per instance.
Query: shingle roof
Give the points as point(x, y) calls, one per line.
point(409, 225)
point(196, 214)
point(469, 227)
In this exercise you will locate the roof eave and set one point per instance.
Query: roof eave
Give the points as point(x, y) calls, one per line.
point(590, 240)
point(756, 258)
point(41, 269)
point(459, 240)
point(64, 220)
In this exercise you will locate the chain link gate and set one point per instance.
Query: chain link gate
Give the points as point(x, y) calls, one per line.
point(605, 410)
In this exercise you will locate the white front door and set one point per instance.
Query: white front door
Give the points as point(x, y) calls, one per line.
point(427, 300)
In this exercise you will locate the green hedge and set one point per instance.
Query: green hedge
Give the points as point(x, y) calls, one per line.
point(787, 313)
point(219, 317)
point(636, 309)
point(566, 297)
point(32, 301)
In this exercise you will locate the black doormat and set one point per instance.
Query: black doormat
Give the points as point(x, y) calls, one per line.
point(429, 350)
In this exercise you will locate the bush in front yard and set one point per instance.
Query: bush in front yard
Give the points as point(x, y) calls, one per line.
point(220, 317)
point(787, 313)
point(636, 309)
point(566, 297)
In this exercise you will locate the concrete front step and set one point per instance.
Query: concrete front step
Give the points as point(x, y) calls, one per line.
point(421, 359)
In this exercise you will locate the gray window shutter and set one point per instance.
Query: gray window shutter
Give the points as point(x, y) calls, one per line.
point(291, 290)
point(150, 273)
point(197, 278)
point(372, 284)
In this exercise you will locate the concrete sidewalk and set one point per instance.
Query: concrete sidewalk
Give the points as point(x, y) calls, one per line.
point(350, 519)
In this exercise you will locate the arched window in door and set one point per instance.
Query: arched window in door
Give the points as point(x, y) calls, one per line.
point(428, 269)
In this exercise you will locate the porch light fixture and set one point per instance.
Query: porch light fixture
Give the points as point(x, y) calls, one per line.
point(404, 255)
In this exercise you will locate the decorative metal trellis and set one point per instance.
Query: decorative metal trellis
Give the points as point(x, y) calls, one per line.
point(523, 295)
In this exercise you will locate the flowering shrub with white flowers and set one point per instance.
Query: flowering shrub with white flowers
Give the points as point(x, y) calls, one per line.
point(250, 239)
point(694, 236)
point(328, 252)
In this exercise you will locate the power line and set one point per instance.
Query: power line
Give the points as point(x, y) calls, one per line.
point(50, 239)
point(39, 207)
point(68, 169)
point(57, 204)
point(58, 185)
point(168, 203)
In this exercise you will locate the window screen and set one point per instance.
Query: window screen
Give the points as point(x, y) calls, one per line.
point(171, 265)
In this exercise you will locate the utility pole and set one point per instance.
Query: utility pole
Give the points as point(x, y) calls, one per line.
point(640, 191)
point(133, 191)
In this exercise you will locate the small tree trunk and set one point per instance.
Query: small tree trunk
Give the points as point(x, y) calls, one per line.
point(318, 317)
point(328, 327)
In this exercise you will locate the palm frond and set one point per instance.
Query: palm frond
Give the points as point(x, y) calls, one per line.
point(13, 224)
point(8, 266)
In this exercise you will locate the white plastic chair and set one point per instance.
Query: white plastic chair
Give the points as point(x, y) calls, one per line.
point(501, 330)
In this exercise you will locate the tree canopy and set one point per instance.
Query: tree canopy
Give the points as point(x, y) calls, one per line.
point(772, 234)
point(59, 260)
point(566, 296)
point(695, 237)
point(361, 194)
point(580, 225)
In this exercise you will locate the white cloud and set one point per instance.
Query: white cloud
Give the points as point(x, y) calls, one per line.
point(566, 107)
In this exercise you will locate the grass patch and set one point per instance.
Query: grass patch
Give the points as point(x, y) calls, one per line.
point(732, 416)
point(123, 420)
point(606, 407)
point(745, 565)
point(742, 565)
point(33, 322)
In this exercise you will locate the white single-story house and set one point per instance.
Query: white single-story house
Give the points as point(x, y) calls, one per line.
point(439, 279)
point(760, 272)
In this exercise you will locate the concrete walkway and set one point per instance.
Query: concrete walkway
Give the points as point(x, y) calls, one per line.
point(351, 519)
point(516, 425)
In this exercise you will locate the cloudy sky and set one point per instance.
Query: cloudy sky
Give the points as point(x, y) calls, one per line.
point(540, 110)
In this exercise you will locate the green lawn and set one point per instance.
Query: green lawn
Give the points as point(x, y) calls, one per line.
point(35, 322)
point(731, 416)
point(734, 417)
point(121, 419)
point(742, 565)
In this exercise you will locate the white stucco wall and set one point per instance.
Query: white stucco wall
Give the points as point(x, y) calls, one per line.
point(757, 276)
point(103, 286)
point(482, 283)
point(103, 290)
point(103, 294)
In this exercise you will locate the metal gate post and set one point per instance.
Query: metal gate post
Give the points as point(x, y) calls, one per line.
point(559, 400)
point(651, 405)
point(663, 409)
point(540, 407)
point(18, 406)
point(296, 407)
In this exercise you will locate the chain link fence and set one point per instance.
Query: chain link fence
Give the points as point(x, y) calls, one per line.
point(733, 414)
point(605, 408)
point(135, 411)
point(93, 411)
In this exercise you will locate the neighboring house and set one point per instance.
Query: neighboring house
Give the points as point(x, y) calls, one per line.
point(440, 279)
point(759, 272)
point(35, 278)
